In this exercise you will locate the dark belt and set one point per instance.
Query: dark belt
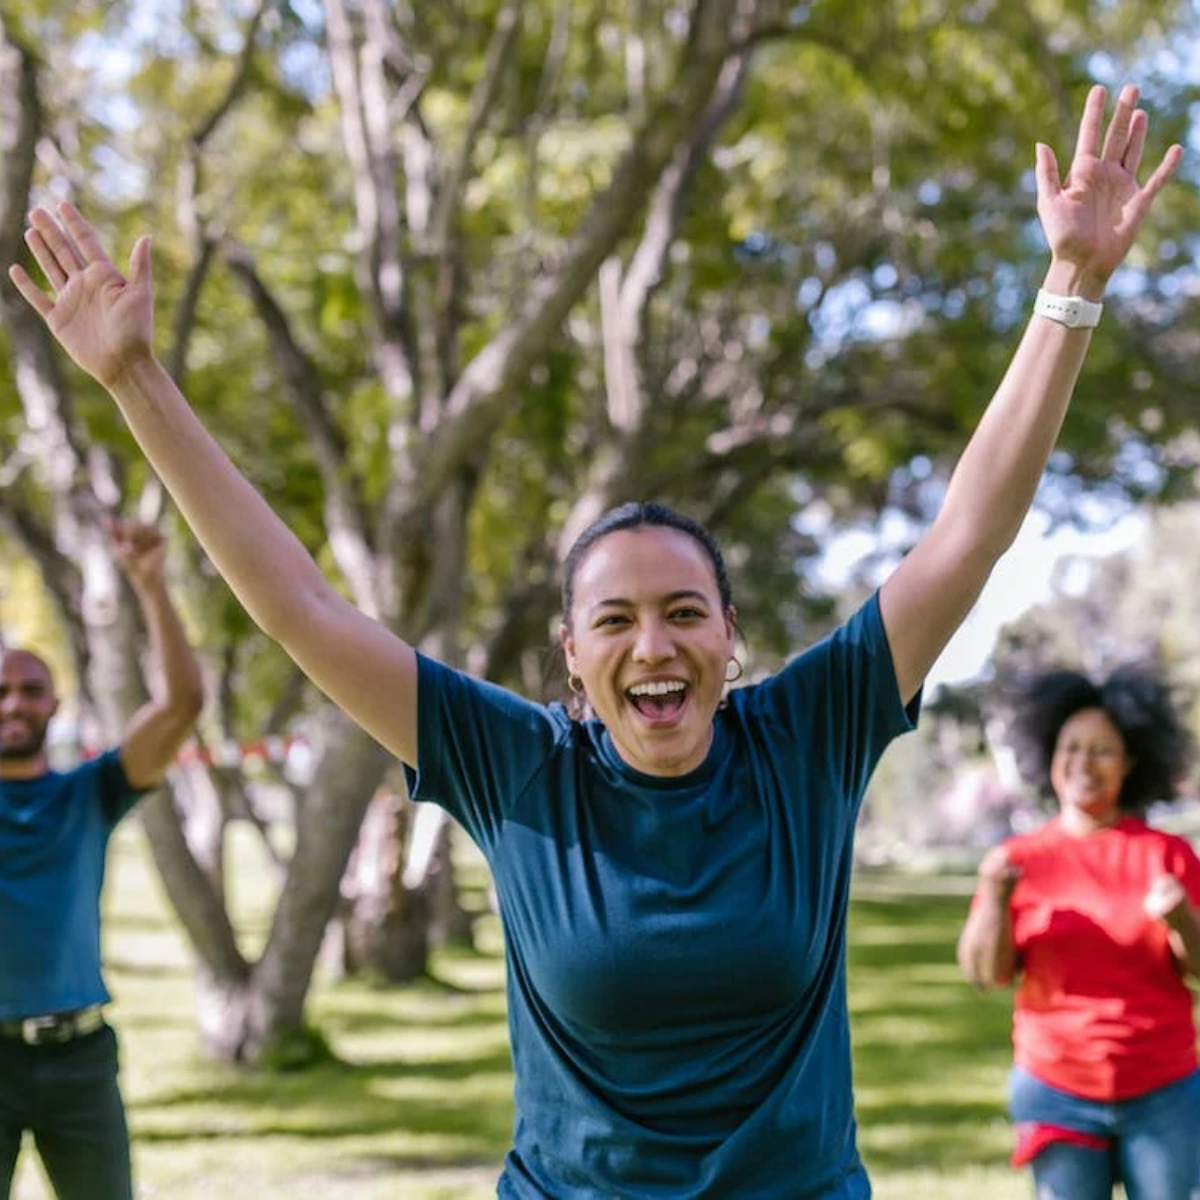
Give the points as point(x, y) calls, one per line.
point(54, 1027)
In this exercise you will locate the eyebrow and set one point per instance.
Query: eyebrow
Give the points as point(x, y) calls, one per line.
point(669, 598)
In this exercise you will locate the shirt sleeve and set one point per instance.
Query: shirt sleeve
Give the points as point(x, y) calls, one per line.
point(117, 794)
point(1184, 864)
point(840, 701)
point(478, 746)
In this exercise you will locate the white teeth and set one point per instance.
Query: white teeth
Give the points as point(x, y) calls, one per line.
point(658, 688)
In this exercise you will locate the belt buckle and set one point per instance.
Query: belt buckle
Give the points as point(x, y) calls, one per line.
point(33, 1029)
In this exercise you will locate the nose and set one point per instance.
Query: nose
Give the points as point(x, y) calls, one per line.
point(654, 643)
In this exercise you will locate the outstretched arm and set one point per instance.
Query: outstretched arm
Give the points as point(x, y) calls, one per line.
point(105, 322)
point(157, 730)
point(1090, 222)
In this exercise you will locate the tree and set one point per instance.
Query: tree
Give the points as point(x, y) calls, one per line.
point(510, 263)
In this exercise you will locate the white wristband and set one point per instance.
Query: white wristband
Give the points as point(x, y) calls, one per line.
point(1072, 311)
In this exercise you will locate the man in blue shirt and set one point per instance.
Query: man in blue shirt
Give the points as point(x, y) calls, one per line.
point(58, 1057)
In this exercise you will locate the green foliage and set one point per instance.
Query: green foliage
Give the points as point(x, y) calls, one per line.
point(853, 260)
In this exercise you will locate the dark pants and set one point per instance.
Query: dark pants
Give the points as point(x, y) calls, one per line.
point(67, 1096)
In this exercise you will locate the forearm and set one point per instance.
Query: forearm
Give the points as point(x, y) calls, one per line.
point(181, 686)
point(1185, 939)
point(995, 480)
point(250, 545)
point(986, 953)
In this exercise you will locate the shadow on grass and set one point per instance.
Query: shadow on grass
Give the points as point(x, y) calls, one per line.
point(931, 1054)
point(355, 1023)
point(424, 1084)
point(114, 965)
point(342, 1100)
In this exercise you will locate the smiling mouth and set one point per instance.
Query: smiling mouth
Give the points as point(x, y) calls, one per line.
point(659, 701)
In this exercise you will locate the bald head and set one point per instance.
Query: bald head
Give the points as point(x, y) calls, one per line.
point(27, 702)
point(28, 661)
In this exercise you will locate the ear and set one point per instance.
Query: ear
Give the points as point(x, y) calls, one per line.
point(731, 624)
point(567, 641)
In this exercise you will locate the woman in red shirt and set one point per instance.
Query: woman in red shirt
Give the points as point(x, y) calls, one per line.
point(1095, 915)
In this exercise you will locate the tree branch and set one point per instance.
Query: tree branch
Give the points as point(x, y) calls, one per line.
point(623, 313)
point(361, 86)
point(345, 514)
point(477, 403)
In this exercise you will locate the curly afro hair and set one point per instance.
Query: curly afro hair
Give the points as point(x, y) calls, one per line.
point(1138, 704)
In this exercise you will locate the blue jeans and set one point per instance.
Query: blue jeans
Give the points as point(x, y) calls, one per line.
point(1154, 1141)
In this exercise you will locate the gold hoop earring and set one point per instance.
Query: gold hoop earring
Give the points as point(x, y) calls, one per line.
point(738, 672)
point(575, 684)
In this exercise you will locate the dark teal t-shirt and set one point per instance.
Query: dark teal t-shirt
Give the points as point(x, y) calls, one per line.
point(675, 946)
point(54, 834)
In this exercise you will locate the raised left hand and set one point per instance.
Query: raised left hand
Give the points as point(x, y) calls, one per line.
point(1091, 219)
point(140, 549)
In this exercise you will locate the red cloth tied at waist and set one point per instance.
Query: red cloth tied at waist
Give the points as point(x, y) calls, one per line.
point(1034, 1136)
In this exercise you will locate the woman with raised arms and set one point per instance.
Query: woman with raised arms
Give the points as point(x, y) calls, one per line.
point(672, 872)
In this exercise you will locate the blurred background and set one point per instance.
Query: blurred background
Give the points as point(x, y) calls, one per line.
point(449, 280)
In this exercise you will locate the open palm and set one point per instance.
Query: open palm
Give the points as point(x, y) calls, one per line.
point(103, 320)
point(1092, 219)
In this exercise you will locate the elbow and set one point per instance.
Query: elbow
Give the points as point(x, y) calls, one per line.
point(970, 970)
point(985, 976)
point(191, 703)
point(293, 612)
point(976, 541)
point(184, 701)
point(981, 971)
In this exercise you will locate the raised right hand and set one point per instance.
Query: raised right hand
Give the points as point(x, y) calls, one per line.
point(103, 320)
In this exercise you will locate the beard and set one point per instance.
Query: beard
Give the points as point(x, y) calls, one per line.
point(27, 746)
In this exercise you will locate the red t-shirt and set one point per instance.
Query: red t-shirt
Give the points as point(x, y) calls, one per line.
point(1101, 1009)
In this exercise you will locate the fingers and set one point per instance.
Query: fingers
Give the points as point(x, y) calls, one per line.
point(34, 296)
point(1045, 170)
point(61, 250)
point(1116, 141)
point(87, 245)
point(1087, 144)
point(1139, 124)
point(1163, 172)
point(1145, 197)
point(131, 535)
point(55, 252)
point(139, 261)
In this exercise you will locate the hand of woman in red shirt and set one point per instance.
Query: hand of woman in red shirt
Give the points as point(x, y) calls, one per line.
point(998, 872)
point(1167, 901)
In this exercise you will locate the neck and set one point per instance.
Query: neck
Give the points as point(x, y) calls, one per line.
point(24, 768)
point(1079, 823)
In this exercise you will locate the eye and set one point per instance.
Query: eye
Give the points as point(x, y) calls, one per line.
point(610, 621)
point(687, 613)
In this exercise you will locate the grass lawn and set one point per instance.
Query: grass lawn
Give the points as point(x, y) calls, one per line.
point(419, 1106)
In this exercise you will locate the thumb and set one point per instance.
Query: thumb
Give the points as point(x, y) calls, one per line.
point(139, 261)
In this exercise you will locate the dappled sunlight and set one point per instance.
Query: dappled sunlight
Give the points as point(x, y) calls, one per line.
point(418, 1102)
